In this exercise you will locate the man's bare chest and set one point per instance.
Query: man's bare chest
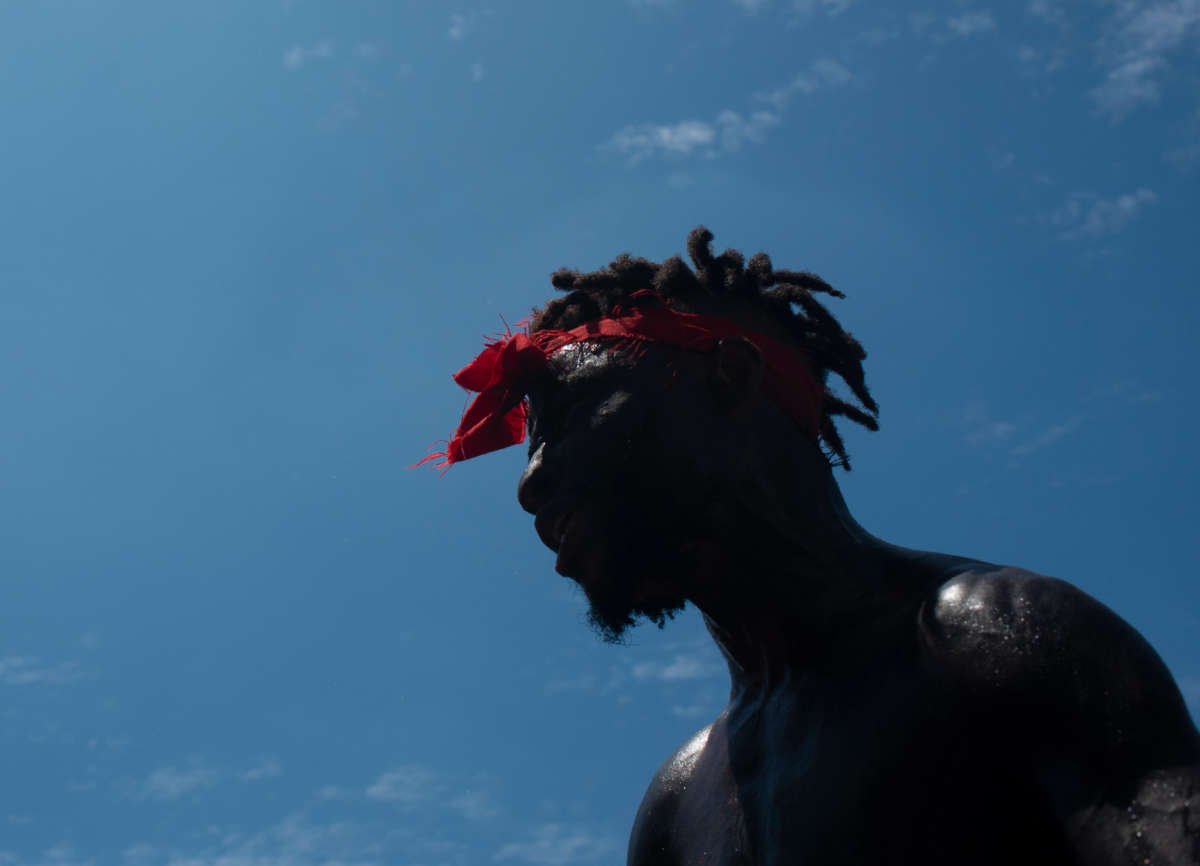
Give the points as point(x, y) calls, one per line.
point(808, 777)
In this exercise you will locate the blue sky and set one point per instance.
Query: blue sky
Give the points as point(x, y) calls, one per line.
point(247, 243)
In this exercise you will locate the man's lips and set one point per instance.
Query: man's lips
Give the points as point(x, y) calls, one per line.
point(565, 528)
point(552, 523)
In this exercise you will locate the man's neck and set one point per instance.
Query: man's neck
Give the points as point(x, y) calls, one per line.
point(788, 597)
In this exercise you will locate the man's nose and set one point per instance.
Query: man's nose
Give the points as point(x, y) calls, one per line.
point(535, 483)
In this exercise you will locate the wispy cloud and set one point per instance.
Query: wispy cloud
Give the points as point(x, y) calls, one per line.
point(405, 786)
point(580, 683)
point(294, 841)
point(268, 770)
point(695, 711)
point(730, 130)
point(28, 670)
point(832, 8)
point(1087, 216)
point(682, 667)
point(1050, 11)
point(736, 130)
point(139, 853)
point(1000, 159)
point(298, 56)
point(366, 51)
point(970, 23)
point(752, 6)
point(462, 24)
point(58, 855)
point(1135, 52)
point(170, 783)
point(477, 72)
point(980, 428)
point(820, 74)
point(1186, 155)
point(1038, 61)
point(1126, 391)
point(1047, 437)
point(638, 142)
point(474, 805)
point(458, 26)
point(555, 845)
point(877, 35)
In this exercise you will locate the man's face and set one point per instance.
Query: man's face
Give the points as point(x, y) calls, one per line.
point(603, 484)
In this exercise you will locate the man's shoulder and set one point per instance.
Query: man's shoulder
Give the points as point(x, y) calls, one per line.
point(1046, 650)
point(650, 840)
point(1002, 628)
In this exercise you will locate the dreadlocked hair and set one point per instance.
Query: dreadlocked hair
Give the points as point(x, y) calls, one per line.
point(785, 298)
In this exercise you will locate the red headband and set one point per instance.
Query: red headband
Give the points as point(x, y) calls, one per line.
point(504, 371)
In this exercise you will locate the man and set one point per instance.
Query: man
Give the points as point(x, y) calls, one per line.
point(887, 705)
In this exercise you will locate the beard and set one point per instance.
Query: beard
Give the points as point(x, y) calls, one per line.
point(611, 614)
point(635, 574)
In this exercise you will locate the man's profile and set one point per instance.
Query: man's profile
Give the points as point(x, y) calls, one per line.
point(887, 705)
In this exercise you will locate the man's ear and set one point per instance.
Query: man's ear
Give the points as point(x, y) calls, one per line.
point(737, 371)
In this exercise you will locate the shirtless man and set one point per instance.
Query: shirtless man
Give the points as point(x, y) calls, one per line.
point(887, 705)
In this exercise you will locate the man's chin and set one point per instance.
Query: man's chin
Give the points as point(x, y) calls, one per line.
point(612, 615)
point(624, 583)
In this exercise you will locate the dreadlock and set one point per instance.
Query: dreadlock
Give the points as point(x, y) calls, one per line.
point(784, 297)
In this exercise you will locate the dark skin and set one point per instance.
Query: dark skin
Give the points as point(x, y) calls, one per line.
point(887, 705)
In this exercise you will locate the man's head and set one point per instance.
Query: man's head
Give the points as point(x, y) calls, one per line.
point(645, 457)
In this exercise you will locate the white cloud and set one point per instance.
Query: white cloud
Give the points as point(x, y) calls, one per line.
point(970, 23)
point(169, 783)
point(477, 71)
point(1047, 437)
point(682, 667)
point(294, 841)
point(1034, 61)
point(1050, 11)
point(752, 5)
point(736, 130)
point(405, 786)
point(820, 74)
point(269, 770)
point(982, 429)
point(462, 25)
point(649, 139)
point(692, 711)
point(298, 56)
point(57, 855)
point(1001, 159)
point(366, 51)
point(730, 130)
point(1086, 216)
point(581, 683)
point(919, 22)
point(1186, 155)
point(27, 670)
point(474, 805)
point(877, 35)
point(555, 845)
point(1129, 391)
point(1135, 51)
point(832, 8)
point(139, 853)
